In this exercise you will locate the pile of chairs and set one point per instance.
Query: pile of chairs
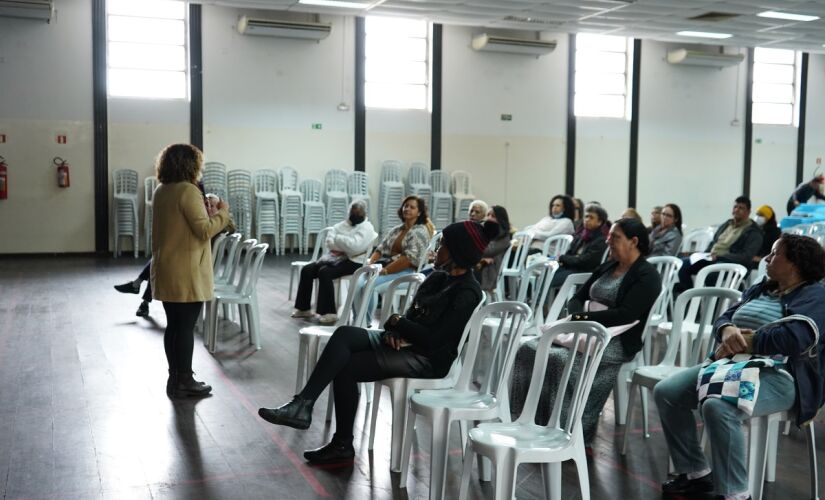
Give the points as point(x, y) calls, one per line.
point(125, 208)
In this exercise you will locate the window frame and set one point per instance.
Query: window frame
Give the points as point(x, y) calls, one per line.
point(627, 74)
point(794, 83)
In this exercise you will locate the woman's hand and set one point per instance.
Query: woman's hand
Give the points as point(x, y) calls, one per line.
point(223, 204)
point(392, 321)
point(394, 342)
point(733, 342)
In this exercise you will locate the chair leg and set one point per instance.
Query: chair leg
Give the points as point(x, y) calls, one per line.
point(212, 326)
point(438, 454)
point(628, 419)
point(551, 480)
point(466, 472)
point(505, 483)
point(376, 400)
point(303, 349)
point(406, 448)
point(580, 458)
point(645, 421)
point(757, 456)
point(772, 450)
point(620, 396)
point(811, 438)
point(399, 399)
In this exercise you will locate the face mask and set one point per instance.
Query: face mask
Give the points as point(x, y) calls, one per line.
point(356, 219)
point(760, 220)
point(557, 216)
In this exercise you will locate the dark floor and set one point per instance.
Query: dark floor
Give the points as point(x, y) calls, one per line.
point(83, 412)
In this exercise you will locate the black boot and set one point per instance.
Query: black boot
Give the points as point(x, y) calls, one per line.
point(185, 386)
point(170, 382)
point(681, 485)
point(297, 413)
point(336, 451)
point(143, 310)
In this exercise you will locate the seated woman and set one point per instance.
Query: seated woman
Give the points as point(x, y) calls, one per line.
point(558, 221)
point(766, 220)
point(666, 238)
point(578, 214)
point(631, 213)
point(422, 343)
point(477, 211)
point(777, 322)
point(404, 247)
point(348, 243)
point(588, 246)
point(490, 263)
point(627, 286)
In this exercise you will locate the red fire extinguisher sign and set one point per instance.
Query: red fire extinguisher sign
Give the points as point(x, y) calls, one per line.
point(4, 179)
point(62, 172)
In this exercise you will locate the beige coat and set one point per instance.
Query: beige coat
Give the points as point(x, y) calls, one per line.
point(181, 250)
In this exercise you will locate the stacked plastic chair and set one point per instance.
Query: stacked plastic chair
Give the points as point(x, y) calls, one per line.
point(314, 211)
point(390, 196)
point(462, 190)
point(265, 182)
point(358, 188)
point(335, 196)
point(292, 207)
point(214, 179)
point(149, 185)
point(441, 209)
point(418, 183)
point(125, 208)
point(239, 183)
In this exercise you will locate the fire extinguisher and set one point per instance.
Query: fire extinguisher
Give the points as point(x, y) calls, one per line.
point(62, 172)
point(4, 179)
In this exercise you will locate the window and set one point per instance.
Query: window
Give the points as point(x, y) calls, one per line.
point(146, 49)
point(774, 86)
point(396, 66)
point(602, 68)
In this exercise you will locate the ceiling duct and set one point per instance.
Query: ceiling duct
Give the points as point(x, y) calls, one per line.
point(27, 9)
point(701, 58)
point(284, 29)
point(510, 45)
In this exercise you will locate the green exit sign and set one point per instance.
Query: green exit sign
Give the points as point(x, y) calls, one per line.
point(317, 126)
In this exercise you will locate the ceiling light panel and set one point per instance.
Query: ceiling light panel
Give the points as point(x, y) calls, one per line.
point(788, 16)
point(704, 34)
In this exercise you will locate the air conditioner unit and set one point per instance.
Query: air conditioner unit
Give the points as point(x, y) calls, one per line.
point(27, 9)
point(285, 29)
point(509, 45)
point(700, 58)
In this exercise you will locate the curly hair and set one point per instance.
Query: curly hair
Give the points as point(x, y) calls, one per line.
point(805, 254)
point(568, 209)
point(179, 163)
point(422, 209)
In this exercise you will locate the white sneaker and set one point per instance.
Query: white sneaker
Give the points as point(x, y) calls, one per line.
point(328, 319)
point(297, 313)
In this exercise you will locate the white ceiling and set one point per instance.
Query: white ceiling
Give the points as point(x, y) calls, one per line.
point(646, 19)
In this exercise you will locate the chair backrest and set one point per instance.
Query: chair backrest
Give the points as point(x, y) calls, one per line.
point(408, 283)
point(417, 173)
point(221, 260)
point(320, 244)
point(697, 240)
point(568, 289)
point(218, 247)
point(358, 184)
point(354, 314)
point(543, 271)
point(390, 171)
point(668, 267)
point(605, 255)
point(589, 339)
point(288, 178)
point(335, 181)
point(251, 269)
point(239, 183)
point(265, 180)
point(653, 317)
point(233, 272)
point(521, 240)
point(711, 301)
point(512, 318)
point(149, 186)
point(311, 190)
point(214, 179)
point(461, 183)
point(556, 245)
point(762, 268)
point(440, 181)
point(431, 246)
point(125, 181)
point(727, 275)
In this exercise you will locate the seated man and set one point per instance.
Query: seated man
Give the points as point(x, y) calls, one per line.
point(737, 240)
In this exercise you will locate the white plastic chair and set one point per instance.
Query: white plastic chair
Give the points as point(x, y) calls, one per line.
point(696, 240)
point(245, 295)
point(756, 275)
point(668, 268)
point(239, 186)
point(519, 248)
point(556, 245)
point(292, 217)
point(335, 196)
point(466, 401)
point(287, 179)
point(358, 189)
point(710, 301)
point(462, 190)
point(125, 208)
point(265, 182)
point(214, 179)
point(314, 211)
point(509, 444)
point(566, 291)
point(418, 183)
point(390, 195)
point(441, 208)
point(296, 266)
point(149, 186)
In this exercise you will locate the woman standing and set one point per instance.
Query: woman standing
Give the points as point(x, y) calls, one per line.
point(666, 238)
point(182, 259)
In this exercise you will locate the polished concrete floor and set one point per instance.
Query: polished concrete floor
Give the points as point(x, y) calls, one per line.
point(83, 412)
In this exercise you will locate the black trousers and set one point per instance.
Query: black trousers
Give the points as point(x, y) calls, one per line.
point(145, 275)
point(326, 272)
point(348, 358)
point(179, 337)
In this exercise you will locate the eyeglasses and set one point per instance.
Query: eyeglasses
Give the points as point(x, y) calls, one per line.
point(670, 216)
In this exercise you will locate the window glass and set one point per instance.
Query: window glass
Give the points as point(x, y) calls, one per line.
point(602, 64)
point(774, 86)
point(397, 63)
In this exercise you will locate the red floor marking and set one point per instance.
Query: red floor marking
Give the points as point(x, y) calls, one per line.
point(299, 464)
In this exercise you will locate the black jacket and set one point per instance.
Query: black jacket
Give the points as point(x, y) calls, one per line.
point(584, 257)
point(769, 235)
point(640, 287)
point(744, 248)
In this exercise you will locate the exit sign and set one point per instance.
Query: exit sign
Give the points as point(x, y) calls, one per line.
point(317, 126)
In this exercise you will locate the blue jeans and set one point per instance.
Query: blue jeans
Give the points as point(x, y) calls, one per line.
point(382, 282)
point(676, 397)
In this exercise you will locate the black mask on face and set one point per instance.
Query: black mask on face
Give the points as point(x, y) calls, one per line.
point(356, 218)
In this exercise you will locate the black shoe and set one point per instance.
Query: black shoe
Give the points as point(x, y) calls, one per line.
point(187, 387)
point(681, 485)
point(128, 287)
point(333, 452)
point(143, 310)
point(297, 413)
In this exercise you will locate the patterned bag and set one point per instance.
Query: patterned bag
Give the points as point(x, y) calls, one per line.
point(736, 379)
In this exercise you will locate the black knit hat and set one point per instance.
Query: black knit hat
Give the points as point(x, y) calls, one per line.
point(467, 240)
